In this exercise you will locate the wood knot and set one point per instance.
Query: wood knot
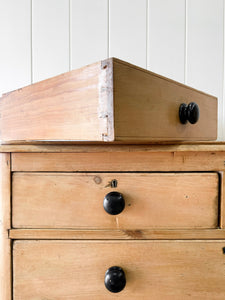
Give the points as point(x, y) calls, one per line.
point(97, 179)
point(134, 234)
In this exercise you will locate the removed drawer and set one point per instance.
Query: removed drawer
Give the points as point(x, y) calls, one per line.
point(140, 200)
point(152, 270)
point(107, 101)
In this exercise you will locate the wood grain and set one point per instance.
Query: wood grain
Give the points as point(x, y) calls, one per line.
point(5, 225)
point(51, 109)
point(106, 101)
point(147, 108)
point(117, 234)
point(222, 200)
point(68, 147)
point(169, 200)
point(154, 269)
point(120, 161)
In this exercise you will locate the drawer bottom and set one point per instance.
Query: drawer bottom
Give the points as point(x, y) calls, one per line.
point(153, 269)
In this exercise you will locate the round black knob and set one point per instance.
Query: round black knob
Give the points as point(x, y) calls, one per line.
point(114, 203)
point(189, 113)
point(115, 279)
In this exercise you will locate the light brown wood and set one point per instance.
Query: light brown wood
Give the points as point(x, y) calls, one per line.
point(90, 148)
point(154, 269)
point(147, 106)
point(119, 161)
point(222, 200)
point(66, 107)
point(117, 234)
point(155, 200)
point(5, 225)
point(202, 268)
point(106, 101)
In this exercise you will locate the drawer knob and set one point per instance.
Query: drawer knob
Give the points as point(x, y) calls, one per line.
point(114, 203)
point(115, 279)
point(189, 113)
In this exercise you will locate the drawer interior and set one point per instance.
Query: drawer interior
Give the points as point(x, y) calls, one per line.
point(152, 200)
point(153, 269)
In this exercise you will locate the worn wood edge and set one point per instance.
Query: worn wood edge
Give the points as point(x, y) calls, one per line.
point(106, 106)
point(5, 225)
point(122, 141)
point(120, 162)
point(94, 148)
point(119, 61)
point(145, 139)
point(146, 234)
point(221, 200)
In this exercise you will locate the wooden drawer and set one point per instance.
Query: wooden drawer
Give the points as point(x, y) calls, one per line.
point(152, 200)
point(153, 269)
point(107, 101)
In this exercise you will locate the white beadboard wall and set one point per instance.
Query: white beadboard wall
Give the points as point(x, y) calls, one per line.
point(180, 39)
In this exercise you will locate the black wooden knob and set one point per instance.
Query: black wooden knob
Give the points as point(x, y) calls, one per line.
point(115, 279)
point(189, 113)
point(114, 203)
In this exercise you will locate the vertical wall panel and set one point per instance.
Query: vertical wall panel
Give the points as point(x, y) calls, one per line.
point(166, 38)
point(205, 48)
point(89, 31)
point(50, 36)
point(150, 33)
point(127, 30)
point(15, 44)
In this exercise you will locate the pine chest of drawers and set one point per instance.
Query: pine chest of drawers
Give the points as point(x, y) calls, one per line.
point(164, 233)
point(105, 194)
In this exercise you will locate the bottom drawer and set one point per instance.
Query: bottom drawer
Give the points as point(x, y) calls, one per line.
point(153, 269)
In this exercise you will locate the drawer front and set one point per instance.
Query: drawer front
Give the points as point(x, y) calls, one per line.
point(147, 108)
point(106, 101)
point(152, 200)
point(153, 270)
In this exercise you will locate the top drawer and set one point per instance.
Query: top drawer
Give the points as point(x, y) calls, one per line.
point(107, 101)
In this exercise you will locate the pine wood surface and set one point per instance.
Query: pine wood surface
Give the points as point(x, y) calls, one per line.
point(107, 101)
point(222, 200)
point(119, 161)
point(65, 107)
point(5, 225)
point(203, 279)
point(154, 269)
point(70, 147)
point(117, 234)
point(147, 106)
point(75, 200)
